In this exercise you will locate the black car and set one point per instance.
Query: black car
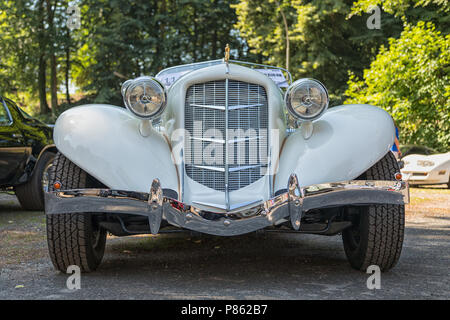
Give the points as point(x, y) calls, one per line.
point(26, 153)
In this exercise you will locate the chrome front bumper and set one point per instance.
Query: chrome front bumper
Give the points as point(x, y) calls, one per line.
point(287, 206)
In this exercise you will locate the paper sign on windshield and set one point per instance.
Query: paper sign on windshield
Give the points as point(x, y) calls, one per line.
point(276, 75)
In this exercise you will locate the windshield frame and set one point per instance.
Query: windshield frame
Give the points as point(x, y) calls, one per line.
point(200, 65)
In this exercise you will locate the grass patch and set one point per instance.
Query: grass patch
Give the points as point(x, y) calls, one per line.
point(431, 191)
point(21, 246)
point(22, 219)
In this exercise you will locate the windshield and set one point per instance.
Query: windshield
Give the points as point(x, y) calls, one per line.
point(170, 75)
point(13, 105)
point(24, 114)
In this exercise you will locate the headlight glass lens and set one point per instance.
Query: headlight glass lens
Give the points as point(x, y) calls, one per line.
point(144, 97)
point(307, 99)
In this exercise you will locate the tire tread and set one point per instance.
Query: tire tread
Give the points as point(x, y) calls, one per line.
point(385, 223)
point(67, 233)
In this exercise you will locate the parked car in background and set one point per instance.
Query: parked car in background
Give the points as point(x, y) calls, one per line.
point(408, 149)
point(223, 160)
point(26, 153)
point(422, 169)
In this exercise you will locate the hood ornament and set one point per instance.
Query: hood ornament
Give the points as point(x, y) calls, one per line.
point(227, 57)
point(227, 53)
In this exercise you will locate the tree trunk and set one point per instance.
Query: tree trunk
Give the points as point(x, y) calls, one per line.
point(53, 74)
point(286, 31)
point(42, 85)
point(53, 82)
point(67, 74)
point(42, 81)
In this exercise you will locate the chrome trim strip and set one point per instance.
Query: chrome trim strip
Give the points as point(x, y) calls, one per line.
point(244, 167)
point(208, 140)
point(182, 173)
point(209, 168)
point(243, 106)
point(269, 174)
point(229, 141)
point(244, 139)
point(227, 152)
point(209, 106)
point(209, 204)
point(232, 207)
point(155, 200)
point(289, 205)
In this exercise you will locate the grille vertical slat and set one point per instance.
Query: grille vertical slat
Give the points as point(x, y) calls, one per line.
point(205, 108)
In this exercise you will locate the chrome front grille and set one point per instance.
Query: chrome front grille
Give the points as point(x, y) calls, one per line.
point(217, 157)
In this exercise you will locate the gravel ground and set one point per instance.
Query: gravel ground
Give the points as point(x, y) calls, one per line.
point(255, 266)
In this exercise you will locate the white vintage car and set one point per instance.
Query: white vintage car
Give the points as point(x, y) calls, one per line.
point(427, 169)
point(206, 147)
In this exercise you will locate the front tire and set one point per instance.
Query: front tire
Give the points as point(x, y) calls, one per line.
point(376, 236)
point(31, 193)
point(73, 238)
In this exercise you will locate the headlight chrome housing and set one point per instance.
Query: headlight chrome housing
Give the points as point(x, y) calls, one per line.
point(306, 99)
point(145, 97)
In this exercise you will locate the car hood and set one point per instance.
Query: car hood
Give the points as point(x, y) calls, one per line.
point(411, 161)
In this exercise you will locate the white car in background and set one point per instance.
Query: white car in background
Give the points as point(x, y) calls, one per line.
point(427, 169)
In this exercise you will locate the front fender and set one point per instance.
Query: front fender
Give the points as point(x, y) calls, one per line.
point(105, 141)
point(345, 142)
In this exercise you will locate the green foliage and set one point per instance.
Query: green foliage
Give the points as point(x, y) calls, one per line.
point(126, 40)
point(324, 44)
point(410, 11)
point(26, 39)
point(399, 7)
point(410, 79)
point(118, 39)
point(50, 118)
point(18, 46)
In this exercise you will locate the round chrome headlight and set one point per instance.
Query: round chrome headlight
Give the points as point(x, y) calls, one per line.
point(307, 99)
point(145, 97)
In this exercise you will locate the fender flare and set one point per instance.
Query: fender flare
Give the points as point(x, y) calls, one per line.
point(346, 141)
point(105, 141)
point(47, 148)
